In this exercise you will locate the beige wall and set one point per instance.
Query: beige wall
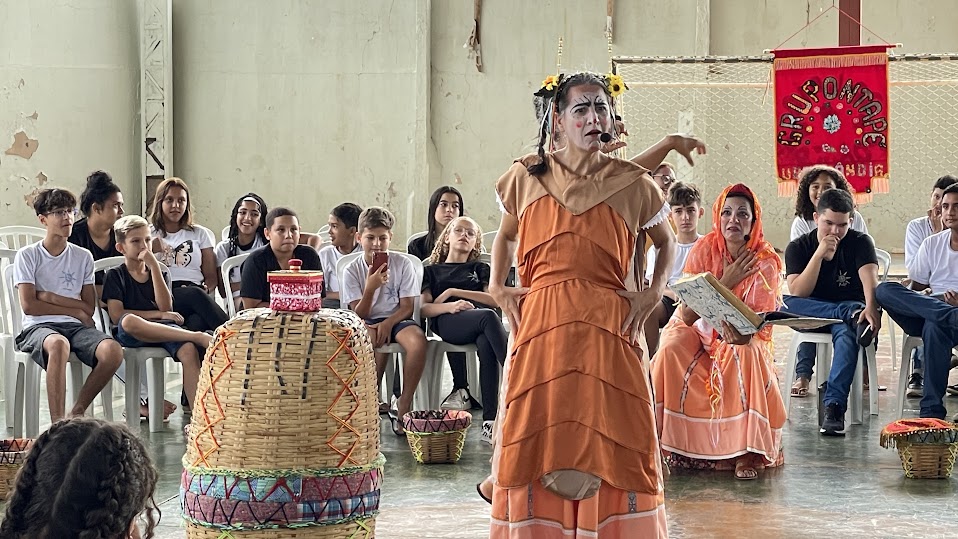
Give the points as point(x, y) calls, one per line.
point(75, 65)
point(311, 103)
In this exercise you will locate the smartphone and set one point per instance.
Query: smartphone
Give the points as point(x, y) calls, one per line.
point(380, 260)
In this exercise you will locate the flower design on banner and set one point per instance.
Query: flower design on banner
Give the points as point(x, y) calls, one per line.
point(832, 124)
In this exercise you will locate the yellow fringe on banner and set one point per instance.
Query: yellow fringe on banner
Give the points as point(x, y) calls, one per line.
point(787, 188)
point(845, 60)
point(880, 184)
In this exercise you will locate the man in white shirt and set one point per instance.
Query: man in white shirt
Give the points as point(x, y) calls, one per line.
point(930, 309)
point(916, 232)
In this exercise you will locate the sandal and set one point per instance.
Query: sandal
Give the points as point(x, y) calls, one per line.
point(395, 424)
point(800, 387)
point(745, 470)
point(481, 495)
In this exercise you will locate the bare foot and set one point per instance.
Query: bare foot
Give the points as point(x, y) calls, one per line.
point(203, 340)
point(485, 488)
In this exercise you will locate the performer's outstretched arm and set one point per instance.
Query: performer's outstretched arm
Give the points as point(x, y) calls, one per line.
point(685, 145)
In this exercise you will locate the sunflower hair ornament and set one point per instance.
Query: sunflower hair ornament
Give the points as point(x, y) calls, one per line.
point(614, 84)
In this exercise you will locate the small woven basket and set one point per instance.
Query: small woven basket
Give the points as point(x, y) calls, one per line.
point(926, 447)
point(12, 454)
point(436, 436)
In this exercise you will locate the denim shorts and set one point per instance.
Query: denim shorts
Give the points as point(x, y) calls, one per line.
point(129, 341)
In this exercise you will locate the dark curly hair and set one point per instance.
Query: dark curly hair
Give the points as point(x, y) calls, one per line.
point(561, 102)
point(233, 235)
point(83, 478)
point(803, 202)
point(99, 187)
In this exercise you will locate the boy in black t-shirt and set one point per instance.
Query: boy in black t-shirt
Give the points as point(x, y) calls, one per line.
point(141, 306)
point(832, 272)
point(282, 231)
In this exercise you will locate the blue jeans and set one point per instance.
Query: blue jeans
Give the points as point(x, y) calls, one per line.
point(937, 323)
point(844, 341)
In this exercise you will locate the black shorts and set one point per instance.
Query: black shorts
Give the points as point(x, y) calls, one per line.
point(83, 341)
point(401, 325)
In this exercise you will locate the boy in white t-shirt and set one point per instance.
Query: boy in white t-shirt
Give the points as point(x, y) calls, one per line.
point(930, 308)
point(685, 203)
point(54, 281)
point(385, 297)
point(917, 230)
point(343, 223)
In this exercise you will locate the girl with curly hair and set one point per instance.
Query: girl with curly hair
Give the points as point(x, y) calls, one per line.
point(83, 478)
point(455, 298)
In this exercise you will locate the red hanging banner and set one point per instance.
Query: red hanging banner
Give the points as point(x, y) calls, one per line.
point(831, 108)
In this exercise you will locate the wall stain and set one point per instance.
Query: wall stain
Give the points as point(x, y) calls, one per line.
point(23, 146)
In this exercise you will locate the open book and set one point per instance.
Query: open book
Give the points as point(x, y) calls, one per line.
point(705, 295)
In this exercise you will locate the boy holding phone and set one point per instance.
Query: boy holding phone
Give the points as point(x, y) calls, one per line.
point(381, 287)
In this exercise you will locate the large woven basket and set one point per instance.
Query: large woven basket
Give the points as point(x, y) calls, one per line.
point(284, 439)
point(436, 436)
point(12, 454)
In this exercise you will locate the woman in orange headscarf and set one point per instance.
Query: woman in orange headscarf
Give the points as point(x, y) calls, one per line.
point(717, 400)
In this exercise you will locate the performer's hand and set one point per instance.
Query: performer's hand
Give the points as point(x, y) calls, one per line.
point(743, 267)
point(609, 147)
point(686, 145)
point(732, 336)
point(641, 305)
point(507, 298)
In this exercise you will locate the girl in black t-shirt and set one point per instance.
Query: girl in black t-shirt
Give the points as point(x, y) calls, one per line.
point(102, 204)
point(460, 309)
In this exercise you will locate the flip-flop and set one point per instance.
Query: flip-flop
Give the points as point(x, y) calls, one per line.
point(799, 391)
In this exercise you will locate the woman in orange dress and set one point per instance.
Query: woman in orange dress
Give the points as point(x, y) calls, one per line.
point(717, 400)
point(575, 451)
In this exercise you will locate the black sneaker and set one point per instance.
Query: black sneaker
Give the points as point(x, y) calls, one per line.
point(834, 422)
point(915, 386)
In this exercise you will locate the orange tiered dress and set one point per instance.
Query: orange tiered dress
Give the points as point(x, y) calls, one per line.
point(577, 395)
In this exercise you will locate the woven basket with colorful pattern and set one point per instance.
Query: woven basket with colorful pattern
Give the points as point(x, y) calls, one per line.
point(436, 436)
point(13, 453)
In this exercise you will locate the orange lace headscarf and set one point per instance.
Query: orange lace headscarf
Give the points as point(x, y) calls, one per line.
point(761, 291)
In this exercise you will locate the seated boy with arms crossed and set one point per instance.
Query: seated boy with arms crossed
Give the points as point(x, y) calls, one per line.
point(54, 281)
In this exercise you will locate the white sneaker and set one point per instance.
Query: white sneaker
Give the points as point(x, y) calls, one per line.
point(459, 399)
point(487, 431)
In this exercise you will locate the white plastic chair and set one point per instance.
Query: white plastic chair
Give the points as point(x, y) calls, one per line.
point(12, 371)
point(28, 400)
point(423, 398)
point(18, 236)
point(225, 269)
point(225, 234)
point(415, 236)
point(323, 233)
point(884, 264)
point(908, 345)
point(823, 366)
point(133, 358)
point(487, 239)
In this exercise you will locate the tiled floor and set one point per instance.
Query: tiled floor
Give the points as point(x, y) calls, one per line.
point(829, 487)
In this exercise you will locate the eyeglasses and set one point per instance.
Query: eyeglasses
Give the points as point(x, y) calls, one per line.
point(62, 214)
point(468, 232)
point(666, 179)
